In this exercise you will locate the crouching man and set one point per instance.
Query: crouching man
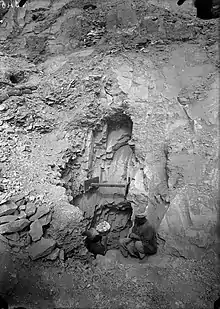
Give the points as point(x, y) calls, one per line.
point(142, 241)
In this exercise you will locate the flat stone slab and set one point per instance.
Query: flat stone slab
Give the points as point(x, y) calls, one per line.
point(7, 208)
point(41, 248)
point(9, 218)
point(36, 231)
point(41, 211)
point(30, 209)
point(45, 220)
point(13, 227)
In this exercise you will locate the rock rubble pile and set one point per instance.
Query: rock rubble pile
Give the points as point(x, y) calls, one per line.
point(23, 225)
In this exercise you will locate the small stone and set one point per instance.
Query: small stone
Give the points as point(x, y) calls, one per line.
point(182, 100)
point(16, 249)
point(16, 213)
point(7, 208)
point(61, 255)
point(22, 215)
point(30, 209)
point(2, 238)
point(45, 220)
point(13, 227)
point(26, 91)
point(41, 248)
point(36, 231)
point(9, 218)
point(32, 198)
point(27, 240)
point(22, 207)
point(54, 255)
point(3, 97)
point(3, 107)
point(33, 87)
point(13, 236)
point(3, 159)
point(14, 92)
point(41, 211)
point(13, 243)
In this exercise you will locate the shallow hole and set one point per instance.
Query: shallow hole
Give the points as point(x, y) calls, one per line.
point(119, 217)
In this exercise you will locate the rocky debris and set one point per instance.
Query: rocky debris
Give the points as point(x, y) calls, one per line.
point(13, 236)
point(13, 243)
point(8, 208)
point(6, 219)
point(30, 209)
point(15, 226)
point(41, 248)
point(41, 211)
point(36, 231)
point(54, 255)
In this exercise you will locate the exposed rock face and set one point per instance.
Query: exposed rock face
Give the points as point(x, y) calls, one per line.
point(41, 248)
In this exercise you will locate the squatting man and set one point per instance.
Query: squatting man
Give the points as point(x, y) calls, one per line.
point(142, 240)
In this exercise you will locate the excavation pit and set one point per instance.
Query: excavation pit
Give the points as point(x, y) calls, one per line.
point(119, 218)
